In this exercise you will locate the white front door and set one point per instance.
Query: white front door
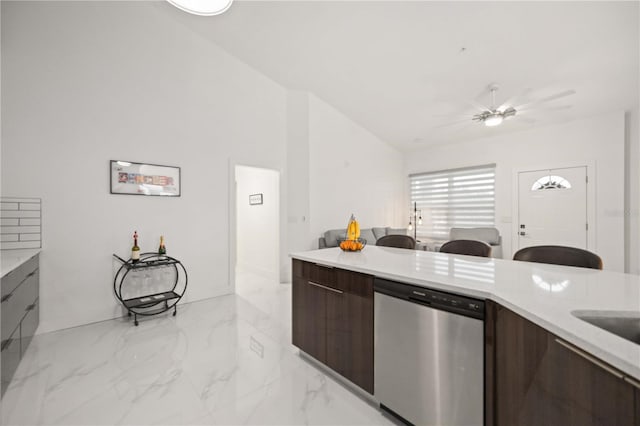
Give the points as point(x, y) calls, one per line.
point(552, 207)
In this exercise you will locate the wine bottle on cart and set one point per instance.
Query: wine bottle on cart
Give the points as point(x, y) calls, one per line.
point(135, 250)
point(162, 249)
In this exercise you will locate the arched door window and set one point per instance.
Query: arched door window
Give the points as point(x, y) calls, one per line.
point(551, 182)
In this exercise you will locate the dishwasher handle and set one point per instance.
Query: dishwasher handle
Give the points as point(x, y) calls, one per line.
point(419, 301)
point(435, 299)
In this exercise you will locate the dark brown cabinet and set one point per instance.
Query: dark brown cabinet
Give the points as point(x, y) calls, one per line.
point(333, 319)
point(539, 379)
point(309, 326)
point(360, 344)
point(532, 377)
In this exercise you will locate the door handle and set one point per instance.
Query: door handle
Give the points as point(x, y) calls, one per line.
point(591, 359)
point(324, 266)
point(326, 288)
point(633, 382)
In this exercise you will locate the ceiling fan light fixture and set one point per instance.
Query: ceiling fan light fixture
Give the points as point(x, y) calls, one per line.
point(202, 7)
point(494, 115)
point(494, 119)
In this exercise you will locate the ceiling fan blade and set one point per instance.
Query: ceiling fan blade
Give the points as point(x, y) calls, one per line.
point(460, 116)
point(548, 98)
point(556, 108)
point(512, 100)
point(453, 123)
point(545, 108)
point(480, 107)
point(558, 95)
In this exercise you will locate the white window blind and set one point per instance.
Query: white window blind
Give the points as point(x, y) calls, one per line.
point(462, 198)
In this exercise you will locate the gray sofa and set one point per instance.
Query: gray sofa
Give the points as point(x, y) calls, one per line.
point(490, 236)
point(332, 237)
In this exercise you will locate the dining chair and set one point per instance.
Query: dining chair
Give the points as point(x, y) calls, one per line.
point(399, 241)
point(467, 247)
point(559, 255)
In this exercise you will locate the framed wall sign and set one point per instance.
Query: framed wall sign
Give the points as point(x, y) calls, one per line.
point(144, 179)
point(255, 199)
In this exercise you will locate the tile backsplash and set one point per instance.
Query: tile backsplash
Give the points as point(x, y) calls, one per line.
point(20, 223)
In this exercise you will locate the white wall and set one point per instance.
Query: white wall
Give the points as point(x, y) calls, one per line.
point(351, 171)
point(597, 139)
point(258, 226)
point(86, 82)
point(298, 202)
point(632, 194)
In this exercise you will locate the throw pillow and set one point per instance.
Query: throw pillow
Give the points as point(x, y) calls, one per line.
point(379, 232)
point(334, 236)
point(368, 235)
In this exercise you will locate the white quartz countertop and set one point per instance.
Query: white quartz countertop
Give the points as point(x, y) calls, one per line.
point(11, 259)
point(544, 294)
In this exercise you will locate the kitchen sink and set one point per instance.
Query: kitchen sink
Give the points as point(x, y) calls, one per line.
point(625, 324)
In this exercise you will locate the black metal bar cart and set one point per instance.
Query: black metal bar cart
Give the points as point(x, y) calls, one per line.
point(156, 302)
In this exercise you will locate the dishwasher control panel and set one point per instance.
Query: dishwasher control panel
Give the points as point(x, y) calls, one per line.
point(435, 298)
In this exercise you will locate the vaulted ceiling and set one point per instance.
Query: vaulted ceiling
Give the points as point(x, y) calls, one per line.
point(411, 71)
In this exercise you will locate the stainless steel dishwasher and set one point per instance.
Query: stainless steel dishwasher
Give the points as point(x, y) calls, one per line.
point(429, 355)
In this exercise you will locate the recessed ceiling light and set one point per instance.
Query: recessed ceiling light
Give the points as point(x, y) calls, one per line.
point(202, 7)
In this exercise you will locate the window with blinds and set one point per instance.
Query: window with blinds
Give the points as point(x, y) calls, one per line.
point(461, 198)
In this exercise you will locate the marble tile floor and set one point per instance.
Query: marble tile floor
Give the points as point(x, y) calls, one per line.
point(226, 360)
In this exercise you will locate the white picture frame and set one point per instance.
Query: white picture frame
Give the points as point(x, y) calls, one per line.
point(129, 178)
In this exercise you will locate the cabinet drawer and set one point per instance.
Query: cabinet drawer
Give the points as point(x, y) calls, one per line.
point(10, 358)
point(29, 325)
point(14, 278)
point(15, 304)
point(323, 275)
point(356, 283)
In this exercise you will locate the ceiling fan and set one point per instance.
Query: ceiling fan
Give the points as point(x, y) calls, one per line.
point(496, 114)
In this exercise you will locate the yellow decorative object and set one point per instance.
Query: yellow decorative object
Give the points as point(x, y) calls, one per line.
point(353, 241)
point(353, 229)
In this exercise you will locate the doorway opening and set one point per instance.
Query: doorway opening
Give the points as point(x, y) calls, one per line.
point(257, 233)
